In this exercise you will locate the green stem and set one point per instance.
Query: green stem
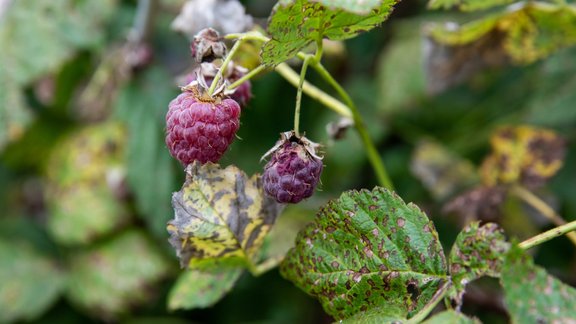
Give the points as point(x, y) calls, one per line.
point(371, 151)
point(299, 96)
point(225, 64)
point(542, 207)
point(246, 77)
point(327, 100)
point(429, 307)
point(548, 235)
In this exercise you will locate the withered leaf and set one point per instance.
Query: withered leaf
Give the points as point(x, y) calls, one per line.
point(525, 155)
point(220, 217)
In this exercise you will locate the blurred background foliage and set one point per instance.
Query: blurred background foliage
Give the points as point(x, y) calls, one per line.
point(86, 180)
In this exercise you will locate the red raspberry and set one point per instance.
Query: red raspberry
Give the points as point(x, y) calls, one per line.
point(200, 127)
point(242, 94)
point(294, 170)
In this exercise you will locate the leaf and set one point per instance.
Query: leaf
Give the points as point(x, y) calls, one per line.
point(220, 216)
point(14, 114)
point(31, 282)
point(361, 7)
point(108, 279)
point(58, 27)
point(467, 5)
point(85, 184)
point(377, 315)
point(478, 251)
point(526, 155)
point(295, 24)
point(527, 33)
point(401, 79)
point(142, 106)
point(368, 249)
point(442, 172)
point(451, 317)
point(551, 103)
point(200, 289)
point(532, 295)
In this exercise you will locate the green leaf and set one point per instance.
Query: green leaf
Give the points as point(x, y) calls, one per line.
point(85, 184)
point(401, 79)
point(36, 37)
point(361, 7)
point(377, 315)
point(523, 154)
point(142, 106)
point(200, 289)
point(220, 216)
point(478, 251)
point(31, 282)
point(467, 5)
point(451, 317)
point(532, 295)
point(296, 24)
point(58, 27)
point(108, 279)
point(368, 249)
point(441, 171)
point(528, 33)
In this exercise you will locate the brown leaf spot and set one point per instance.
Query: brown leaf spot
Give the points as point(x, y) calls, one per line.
point(400, 222)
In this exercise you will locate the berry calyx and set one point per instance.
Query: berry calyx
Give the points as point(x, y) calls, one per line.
point(293, 172)
point(200, 127)
point(242, 94)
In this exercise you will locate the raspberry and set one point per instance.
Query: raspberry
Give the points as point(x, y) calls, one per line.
point(242, 94)
point(294, 169)
point(200, 127)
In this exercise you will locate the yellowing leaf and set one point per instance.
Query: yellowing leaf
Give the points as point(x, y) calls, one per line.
point(467, 5)
point(525, 155)
point(527, 32)
point(85, 181)
point(220, 215)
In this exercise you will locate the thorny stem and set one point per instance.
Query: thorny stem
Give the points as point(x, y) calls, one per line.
point(548, 235)
point(246, 77)
point(225, 64)
point(299, 96)
point(373, 155)
point(543, 208)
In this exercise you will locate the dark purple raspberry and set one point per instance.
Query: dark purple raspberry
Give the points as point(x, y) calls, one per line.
point(242, 94)
point(199, 127)
point(293, 171)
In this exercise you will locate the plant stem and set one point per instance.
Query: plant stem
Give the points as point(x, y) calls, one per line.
point(373, 155)
point(542, 207)
point(327, 100)
point(299, 96)
point(429, 307)
point(225, 64)
point(246, 77)
point(548, 235)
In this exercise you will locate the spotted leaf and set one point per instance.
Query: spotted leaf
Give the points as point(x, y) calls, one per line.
point(220, 216)
point(368, 249)
point(532, 295)
point(525, 155)
point(295, 24)
point(478, 251)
